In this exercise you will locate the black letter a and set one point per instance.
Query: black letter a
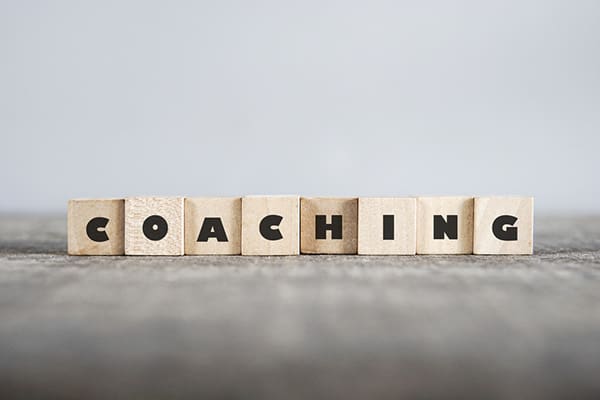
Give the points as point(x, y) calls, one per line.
point(212, 227)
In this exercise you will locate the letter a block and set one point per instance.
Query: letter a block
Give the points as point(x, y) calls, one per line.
point(444, 225)
point(503, 225)
point(213, 225)
point(270, 225)
point(154, 226)
point(328, 225)
point(95, 227)
point(387, 226)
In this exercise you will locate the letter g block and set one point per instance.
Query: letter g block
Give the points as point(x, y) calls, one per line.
point(503, 225)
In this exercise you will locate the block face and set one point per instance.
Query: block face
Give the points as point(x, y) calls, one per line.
point(95, 227)
point(271, 225)
point(387, 226)
point(320, 221)
point(213, 225)
point(445, 225)
point(503, 225)
point(154, 226)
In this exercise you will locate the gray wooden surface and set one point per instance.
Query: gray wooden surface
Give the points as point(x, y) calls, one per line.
point(301, 327)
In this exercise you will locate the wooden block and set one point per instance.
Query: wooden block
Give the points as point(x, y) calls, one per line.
point(270, 225)
point(387, 226)
point(213, 225)
point(328, 225)
point(154, 226)
point(444, 225)
point(503, 225)
point(95, 227)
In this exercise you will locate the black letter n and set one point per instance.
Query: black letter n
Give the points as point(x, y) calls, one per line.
point(447, 227)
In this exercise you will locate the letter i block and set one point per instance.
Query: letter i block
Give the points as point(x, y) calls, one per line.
point(271, 225)
point(154, 226)
point(95, 227)
point(387, 226)
point(503, 225)
point(445, 225)
point(213, 225)
point(328, 225)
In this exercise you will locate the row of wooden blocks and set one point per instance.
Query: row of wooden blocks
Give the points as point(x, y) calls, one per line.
point(291, 225)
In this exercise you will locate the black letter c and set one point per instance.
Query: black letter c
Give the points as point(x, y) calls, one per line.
point(268, 227)
point(93, 229)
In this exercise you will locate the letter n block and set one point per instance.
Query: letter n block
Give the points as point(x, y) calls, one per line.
point(445, 225)
point(270, 225)
point(213, 225)
point(154, 226)
point(387, 226)
point(503, 225)
point(328, 225)
point(95, 227)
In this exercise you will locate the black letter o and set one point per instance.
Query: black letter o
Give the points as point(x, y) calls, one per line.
point(155, 227)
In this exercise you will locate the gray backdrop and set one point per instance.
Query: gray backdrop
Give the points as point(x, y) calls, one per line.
point(116, 98)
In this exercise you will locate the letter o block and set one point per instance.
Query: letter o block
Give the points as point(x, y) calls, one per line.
point(271, 225)
point(95, 227)
point(154, 226)
point(503, 225)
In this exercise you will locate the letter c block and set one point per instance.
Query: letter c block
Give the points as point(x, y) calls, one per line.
point(271, 225)
point(95, 227)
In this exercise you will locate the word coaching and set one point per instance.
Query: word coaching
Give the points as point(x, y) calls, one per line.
point(290, 225)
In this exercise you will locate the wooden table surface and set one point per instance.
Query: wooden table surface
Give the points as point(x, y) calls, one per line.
point(343, 327)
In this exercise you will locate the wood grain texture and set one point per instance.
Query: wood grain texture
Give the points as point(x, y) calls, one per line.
point(427, 207)
point(138, 209)
point(79, 214)
point(371, 211)
point(487, 209)
point(347, 208)
point(229, 212)
point(255, 209)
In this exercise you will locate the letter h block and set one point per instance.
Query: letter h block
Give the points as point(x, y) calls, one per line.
point(270, 225)
point(503, 225)
point(328, 225)
point(95, 227)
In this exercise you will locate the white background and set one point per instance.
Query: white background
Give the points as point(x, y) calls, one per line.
point(117, 98)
